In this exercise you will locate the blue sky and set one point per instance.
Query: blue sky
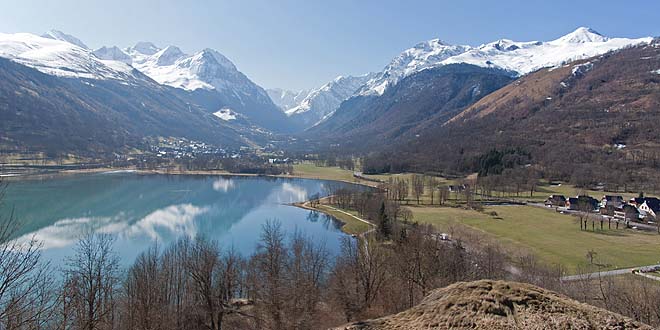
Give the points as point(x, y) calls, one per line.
point(302, 44)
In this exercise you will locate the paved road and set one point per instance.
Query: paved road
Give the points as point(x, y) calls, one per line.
point(596, 275)
point(651, 277)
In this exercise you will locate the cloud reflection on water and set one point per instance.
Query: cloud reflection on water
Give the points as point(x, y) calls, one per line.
point(291, 193)
point(174, 220)
point(224, 185)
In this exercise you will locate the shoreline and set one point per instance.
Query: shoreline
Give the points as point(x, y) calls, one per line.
point(109, 170)
point(34, 176)
point(344, 224)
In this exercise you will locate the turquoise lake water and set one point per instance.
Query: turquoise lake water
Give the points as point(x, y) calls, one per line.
point(139, 210)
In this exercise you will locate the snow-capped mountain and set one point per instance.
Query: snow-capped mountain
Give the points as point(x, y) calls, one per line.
point(113, 54)
point(286, 99)
point(423, 55)
point(59, 35)
point(323, 101)
point(61, 58)
point(209, 77)
point(525, 57)
point(205, 69)
point(518, 57)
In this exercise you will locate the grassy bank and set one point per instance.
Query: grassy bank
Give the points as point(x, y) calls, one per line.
point(553, 237)
point(350, 223)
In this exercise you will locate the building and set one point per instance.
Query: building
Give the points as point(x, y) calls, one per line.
point(556, 201)
point(457, 189)
point(612, 201)
point(582, 203)
point(626, 213)
point(650, 207)
point(637, 201)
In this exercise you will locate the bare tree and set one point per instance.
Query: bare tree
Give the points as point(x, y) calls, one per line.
point(287, 279)
point(91, 280)
point(215, 281)
point(359, 275)
point(416, 261)
point(402, 189)
point(306, 270)
point(432, 183)
point(267, 275)
point(584, 213)
point(315, 200)
point(25, 282)
point(443, 194)
point(145, 292)
point(418, 186)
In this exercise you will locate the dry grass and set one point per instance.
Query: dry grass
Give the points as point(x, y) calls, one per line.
point(498, 305)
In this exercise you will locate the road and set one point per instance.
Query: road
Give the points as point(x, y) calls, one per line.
point(306, 205)
point(596, 275)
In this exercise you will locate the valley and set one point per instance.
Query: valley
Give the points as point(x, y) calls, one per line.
point(522, 173)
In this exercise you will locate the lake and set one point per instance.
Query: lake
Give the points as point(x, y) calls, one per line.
point(139, 210)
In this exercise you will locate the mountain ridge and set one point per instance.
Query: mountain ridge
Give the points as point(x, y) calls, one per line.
point(505, 54)
point(510, 58)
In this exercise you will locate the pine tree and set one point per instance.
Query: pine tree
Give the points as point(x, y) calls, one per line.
point(384, 225)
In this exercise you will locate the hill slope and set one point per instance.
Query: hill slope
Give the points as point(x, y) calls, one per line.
point(424, 87)
point(41, 112)
point(495, 305)
point(208, 72)
point(589, 119)
point(433, 93)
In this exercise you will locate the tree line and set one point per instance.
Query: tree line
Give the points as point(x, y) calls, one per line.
point(290, 282)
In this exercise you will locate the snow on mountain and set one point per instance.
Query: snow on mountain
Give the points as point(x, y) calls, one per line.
point(206, 69)
point(423, 55)
point(59, 35)
point(323, 101)
point(144, 47)
point(113, 54)
point(60, 58)
point(286, 99)
point(526, 57)
point(211, 78)
point(226, 114)
point(518, 57)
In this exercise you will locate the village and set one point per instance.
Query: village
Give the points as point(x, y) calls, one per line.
point(636, 213)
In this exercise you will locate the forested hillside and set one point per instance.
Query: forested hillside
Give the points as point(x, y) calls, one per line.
point(588, 121)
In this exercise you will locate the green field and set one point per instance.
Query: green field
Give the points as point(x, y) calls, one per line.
point(553, 237)
point(311, 171)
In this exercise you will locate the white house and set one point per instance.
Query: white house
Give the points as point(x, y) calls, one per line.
point(651, 206)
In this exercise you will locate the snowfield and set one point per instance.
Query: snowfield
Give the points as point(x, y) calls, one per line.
point(60, 58)
point(517, 57)
point(328, 97)
point(225, 114)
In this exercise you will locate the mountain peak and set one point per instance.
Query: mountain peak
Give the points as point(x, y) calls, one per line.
point(112, 53)
point(146, 48)
point(168, 55)
point(502, 45)
point(432, 44)
point(59, 35)
point(583, 35)
point(221, 59)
